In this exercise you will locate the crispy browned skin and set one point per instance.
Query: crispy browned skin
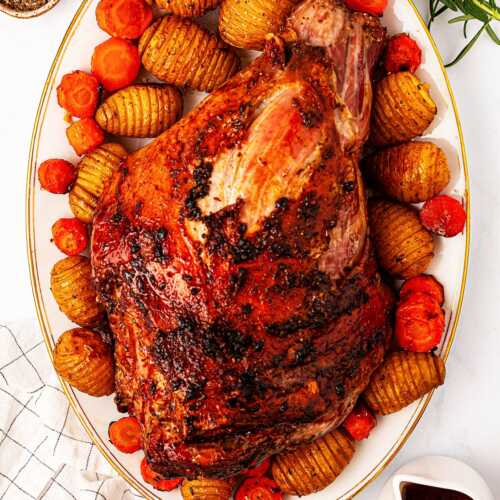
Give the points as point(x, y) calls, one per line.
point(233, 258)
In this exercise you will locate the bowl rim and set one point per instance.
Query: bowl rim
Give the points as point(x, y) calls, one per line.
point(28, 14)
point(40, 308)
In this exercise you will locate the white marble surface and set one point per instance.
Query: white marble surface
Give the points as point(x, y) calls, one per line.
point(462, 420)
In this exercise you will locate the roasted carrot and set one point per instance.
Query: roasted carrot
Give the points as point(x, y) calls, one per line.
point(85, 135)
point(424, 283)
point(419, 323)
point(78, 94)
point(259, 488)
point(70, 236)
point(56, 176)
point(116, 63)
point(124, 18)
point(125, 434)
point(156, 480)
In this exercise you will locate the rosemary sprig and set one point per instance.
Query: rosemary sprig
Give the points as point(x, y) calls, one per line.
point(485, 11)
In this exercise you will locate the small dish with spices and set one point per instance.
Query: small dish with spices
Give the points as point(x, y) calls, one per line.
point(24, 9)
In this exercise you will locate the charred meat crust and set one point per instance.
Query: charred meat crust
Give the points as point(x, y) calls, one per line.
point(237, 338)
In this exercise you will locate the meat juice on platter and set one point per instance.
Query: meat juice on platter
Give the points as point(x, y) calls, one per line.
point(232, 255)
point(413, 491)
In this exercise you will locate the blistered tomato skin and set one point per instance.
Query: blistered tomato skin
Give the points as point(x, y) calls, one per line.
point(360, 422)
point(70, 236)
point(443, 216)
point(56, 176)
point(374, 7)
point(402, 54)
point(259, 488)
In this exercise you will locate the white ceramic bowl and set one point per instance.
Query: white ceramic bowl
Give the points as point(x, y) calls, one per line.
point(449, 265)
point(440, 472)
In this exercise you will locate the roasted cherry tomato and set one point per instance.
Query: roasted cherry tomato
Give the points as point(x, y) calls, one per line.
point(402, 54)
point(56, 176)
point(374, 7)
point(360, 422)
point(444, 216)
point(70, 236)
point(125, 434)
point(259, 488)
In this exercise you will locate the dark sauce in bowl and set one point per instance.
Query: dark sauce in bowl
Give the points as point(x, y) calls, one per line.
point(412, 491)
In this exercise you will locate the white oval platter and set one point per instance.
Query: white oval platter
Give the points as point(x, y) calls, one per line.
point(49, 141)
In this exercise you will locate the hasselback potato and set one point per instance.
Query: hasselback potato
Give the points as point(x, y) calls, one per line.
point(411, 172)
point(207, 489)
point(245, 23)
point(140, 110)
point(404, 247)
point(85, 361)
point(94, 171)
point(72, 287)
point(402, 109)
point(403, 378)
point(182, 53)
point(188, 8)
point(314, 466)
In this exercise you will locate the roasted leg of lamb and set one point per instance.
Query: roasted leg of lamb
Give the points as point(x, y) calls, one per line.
point(233, 256)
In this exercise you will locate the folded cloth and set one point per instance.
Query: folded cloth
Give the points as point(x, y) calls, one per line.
point(44, 451)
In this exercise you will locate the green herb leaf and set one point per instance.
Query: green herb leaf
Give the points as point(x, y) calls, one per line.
point(450, 4)
point(460, 19)
point(469, 46)
point(492, 34)
point(488, 8)
point(472, 9)
point(485, 11)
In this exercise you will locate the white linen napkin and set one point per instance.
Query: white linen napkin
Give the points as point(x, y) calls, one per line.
point(44, 451)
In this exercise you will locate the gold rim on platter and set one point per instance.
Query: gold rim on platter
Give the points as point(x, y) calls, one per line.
point(42, 314)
